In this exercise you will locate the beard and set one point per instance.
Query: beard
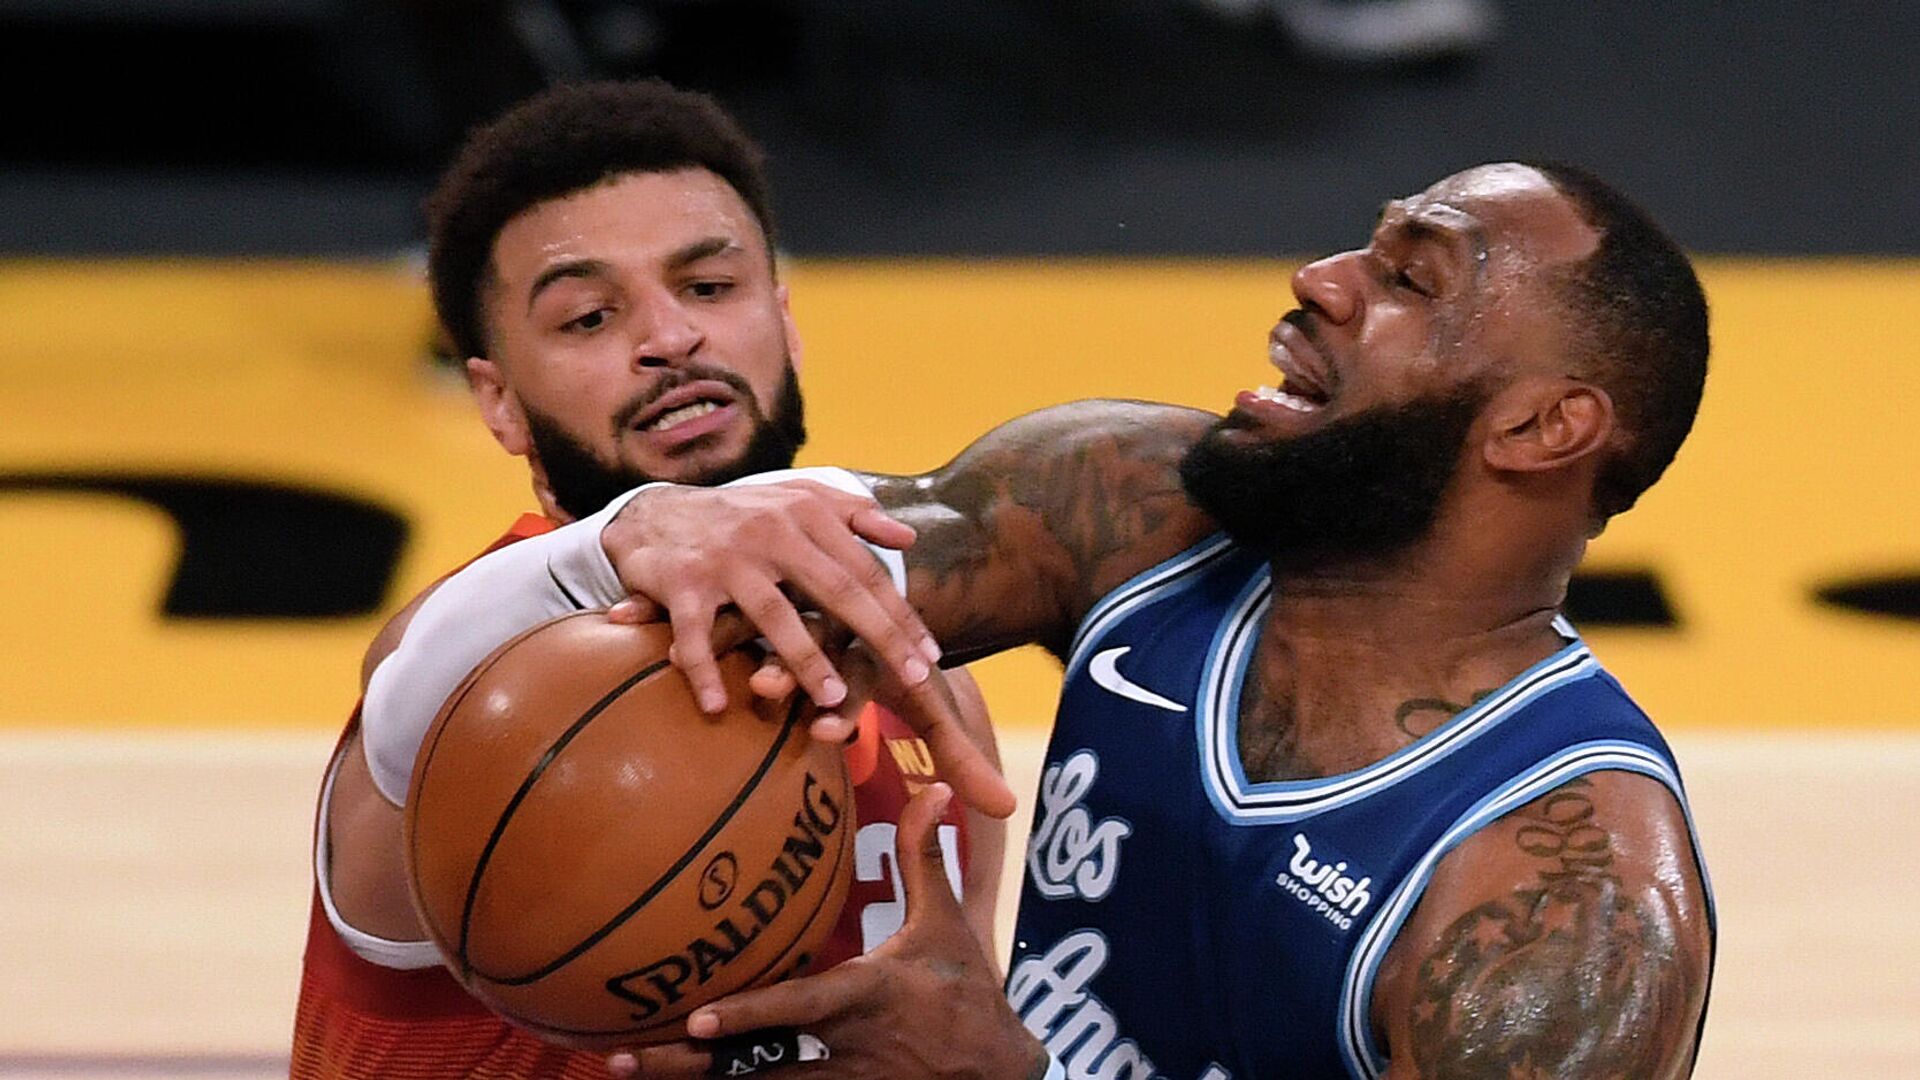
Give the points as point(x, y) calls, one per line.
point(582, 484)
point(1360, 488)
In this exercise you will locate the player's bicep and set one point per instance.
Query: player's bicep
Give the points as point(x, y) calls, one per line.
point(1568, 939)
point(1026, 528)
point(388, 639)
point(468, 615)
point(364, 864)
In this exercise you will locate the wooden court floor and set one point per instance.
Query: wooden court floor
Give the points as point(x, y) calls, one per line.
point(153, 893)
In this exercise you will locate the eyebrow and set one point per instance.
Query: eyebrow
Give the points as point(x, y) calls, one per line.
point(1472, 236)
point(685, 256)
point(702, 249)
point(560, 271)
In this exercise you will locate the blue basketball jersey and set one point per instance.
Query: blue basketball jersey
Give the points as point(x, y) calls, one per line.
point(1179, 921)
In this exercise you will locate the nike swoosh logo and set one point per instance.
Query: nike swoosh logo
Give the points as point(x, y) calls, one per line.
point(1104, 667)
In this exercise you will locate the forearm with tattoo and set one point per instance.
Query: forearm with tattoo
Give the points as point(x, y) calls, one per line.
point(1022, 532)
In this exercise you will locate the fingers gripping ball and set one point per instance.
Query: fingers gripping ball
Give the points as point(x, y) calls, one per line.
point(595, 857)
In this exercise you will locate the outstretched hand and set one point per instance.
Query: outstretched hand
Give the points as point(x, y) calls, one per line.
point(691, 553)
point(926, 1003)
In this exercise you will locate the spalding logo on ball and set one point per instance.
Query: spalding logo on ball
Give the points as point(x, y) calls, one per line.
point(595, 858)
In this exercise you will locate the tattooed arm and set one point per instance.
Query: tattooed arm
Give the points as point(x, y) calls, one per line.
point(1029, 526)
point(1010, 544)
point(1569, 940)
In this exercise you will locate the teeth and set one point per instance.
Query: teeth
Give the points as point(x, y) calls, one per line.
point(1292, 401)
point(1281, 397)
point(673, 418)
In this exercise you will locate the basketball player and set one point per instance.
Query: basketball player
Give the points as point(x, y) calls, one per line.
point(602, 254)
point(1333, 790)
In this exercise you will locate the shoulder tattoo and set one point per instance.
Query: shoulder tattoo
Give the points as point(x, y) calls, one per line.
point(1579, 974)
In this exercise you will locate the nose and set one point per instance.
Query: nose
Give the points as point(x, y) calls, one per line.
point(666, 334)
point(1331, 286)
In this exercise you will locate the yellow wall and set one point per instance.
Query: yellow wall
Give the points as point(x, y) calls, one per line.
point(1800, 472)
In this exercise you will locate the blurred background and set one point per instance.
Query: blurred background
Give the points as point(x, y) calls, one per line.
point(227, 448)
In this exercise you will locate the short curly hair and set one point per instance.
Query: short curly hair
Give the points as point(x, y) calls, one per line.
point(1639, 323)
point(558, 142)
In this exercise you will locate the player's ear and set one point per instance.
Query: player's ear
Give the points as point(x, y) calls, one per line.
point(787, 326)
point(499, 406)
point(1540, 424)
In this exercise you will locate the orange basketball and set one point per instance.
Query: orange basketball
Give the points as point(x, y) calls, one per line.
point(595, 857)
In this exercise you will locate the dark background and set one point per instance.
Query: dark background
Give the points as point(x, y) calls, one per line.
point(953, 127)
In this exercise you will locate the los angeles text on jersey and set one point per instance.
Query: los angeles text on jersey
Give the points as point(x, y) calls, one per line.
point(1073, 857)
point(1051, 994)
point(1069, 854)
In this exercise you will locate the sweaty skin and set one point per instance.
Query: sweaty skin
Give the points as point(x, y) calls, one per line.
point(1030, 526)
point(607, 310)
point(1568, 939)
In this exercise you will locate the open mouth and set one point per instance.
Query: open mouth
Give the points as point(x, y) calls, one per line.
point(683, 405)
point(673, 418)
point(1304, 384)
point(1296, 402)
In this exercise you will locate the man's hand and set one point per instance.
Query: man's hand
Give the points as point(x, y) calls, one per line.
point(972, 769)
point(693, 552)
point(924, 1004)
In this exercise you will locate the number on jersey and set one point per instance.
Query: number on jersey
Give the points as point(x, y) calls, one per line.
point(873, 860)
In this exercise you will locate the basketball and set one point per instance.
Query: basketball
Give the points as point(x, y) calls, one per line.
point(595, 857)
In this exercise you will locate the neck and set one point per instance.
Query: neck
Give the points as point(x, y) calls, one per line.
point(1466, 581)
point(1346, 637)
point(1412, 604)
point(552, 509)
point(543, 492)
point(1358, 659)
